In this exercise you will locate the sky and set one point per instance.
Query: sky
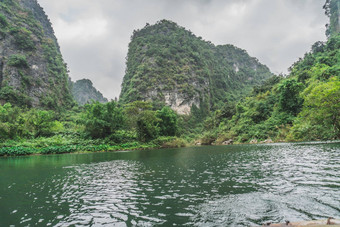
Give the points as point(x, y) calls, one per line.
point(94, 34)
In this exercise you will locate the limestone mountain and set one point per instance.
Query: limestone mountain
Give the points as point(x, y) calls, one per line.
point(167, 63)
point(32, 71)
point(84, 92)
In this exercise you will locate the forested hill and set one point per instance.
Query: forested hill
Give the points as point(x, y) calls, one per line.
point(167, 63)
point(84, 92)
point(32, 71)
point(303, 106)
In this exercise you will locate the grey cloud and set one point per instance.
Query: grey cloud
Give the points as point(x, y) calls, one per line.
point(277, 32)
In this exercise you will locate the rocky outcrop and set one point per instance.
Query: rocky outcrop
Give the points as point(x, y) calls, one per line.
point(228, 142)
point(84, 92)
point(267, 141)
point(253, 141)
point(33, 72)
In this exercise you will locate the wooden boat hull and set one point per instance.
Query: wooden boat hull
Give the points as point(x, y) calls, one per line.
point(314, 223)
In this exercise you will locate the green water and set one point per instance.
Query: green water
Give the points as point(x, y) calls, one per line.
point(238, 185)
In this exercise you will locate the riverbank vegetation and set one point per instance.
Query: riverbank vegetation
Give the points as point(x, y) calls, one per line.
point(302, 106)
point(94, 127)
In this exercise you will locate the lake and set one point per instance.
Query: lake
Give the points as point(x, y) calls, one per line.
point(237, 185)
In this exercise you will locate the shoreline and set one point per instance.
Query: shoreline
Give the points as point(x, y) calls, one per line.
point(20, 151)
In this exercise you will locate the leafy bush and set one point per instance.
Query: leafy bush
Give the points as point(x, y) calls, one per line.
point(147, 126)
point(168, 121)
point(319, 118)
point(11, 124)
point(15, 96)
point(42, 123)
point(3, 21)
point(18, 60)
point(102, 120)
point(289, 96)
point(123, 136)
point(208, 138)
point(23, 39)
point(176, 142)
point(16, 151)
point(58, 149)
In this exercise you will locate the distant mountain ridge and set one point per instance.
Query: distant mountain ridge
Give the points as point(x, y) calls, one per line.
point(84, 92)
point(167, 63)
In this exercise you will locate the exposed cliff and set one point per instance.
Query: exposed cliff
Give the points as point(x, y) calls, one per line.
point(169, 64)
point(32, 71)
point(84, 92)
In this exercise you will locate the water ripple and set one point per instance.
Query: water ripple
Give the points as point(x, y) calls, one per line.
point(207, 186)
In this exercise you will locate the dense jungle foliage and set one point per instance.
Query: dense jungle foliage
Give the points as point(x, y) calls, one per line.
point(93, 127)
point(303, 106)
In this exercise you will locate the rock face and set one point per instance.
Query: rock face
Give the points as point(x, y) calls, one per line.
point(84, 92)
point(228, 142)
point(32, 71)
point(167, 63)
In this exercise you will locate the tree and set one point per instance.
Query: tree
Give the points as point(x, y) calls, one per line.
point(102, 120)
point(147, 126)
point(42, 122)
point(8, 121)
point(289, 99)
point(168, 121)
point(134, 109)
point(142, 118)
point(319, 118)
point(323, 105)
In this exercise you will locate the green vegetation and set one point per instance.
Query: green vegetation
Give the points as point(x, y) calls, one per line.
point(15, 96)
point(23, 38)
point(165, 58)
point(26, 34)
point(102, 120)
point(301, 106)
point(304, 105)
point(3, 21)
point(18, 60)
point(94, 127)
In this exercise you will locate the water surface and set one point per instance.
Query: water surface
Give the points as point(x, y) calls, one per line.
point(239, 185)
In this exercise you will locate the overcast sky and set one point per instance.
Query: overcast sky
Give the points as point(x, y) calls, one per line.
point(94, 34)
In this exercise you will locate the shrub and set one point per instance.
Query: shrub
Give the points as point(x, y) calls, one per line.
point(123, 136)
point(11, 151)
point(23, 39)
point(208, 138)
point(102, 120)
point(42, 123)
point(3, 20)
point(147, 126)
point(18, 60)
point(177, 142)
point(168, 121)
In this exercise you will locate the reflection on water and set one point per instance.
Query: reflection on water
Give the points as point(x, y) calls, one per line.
point(204, 186)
